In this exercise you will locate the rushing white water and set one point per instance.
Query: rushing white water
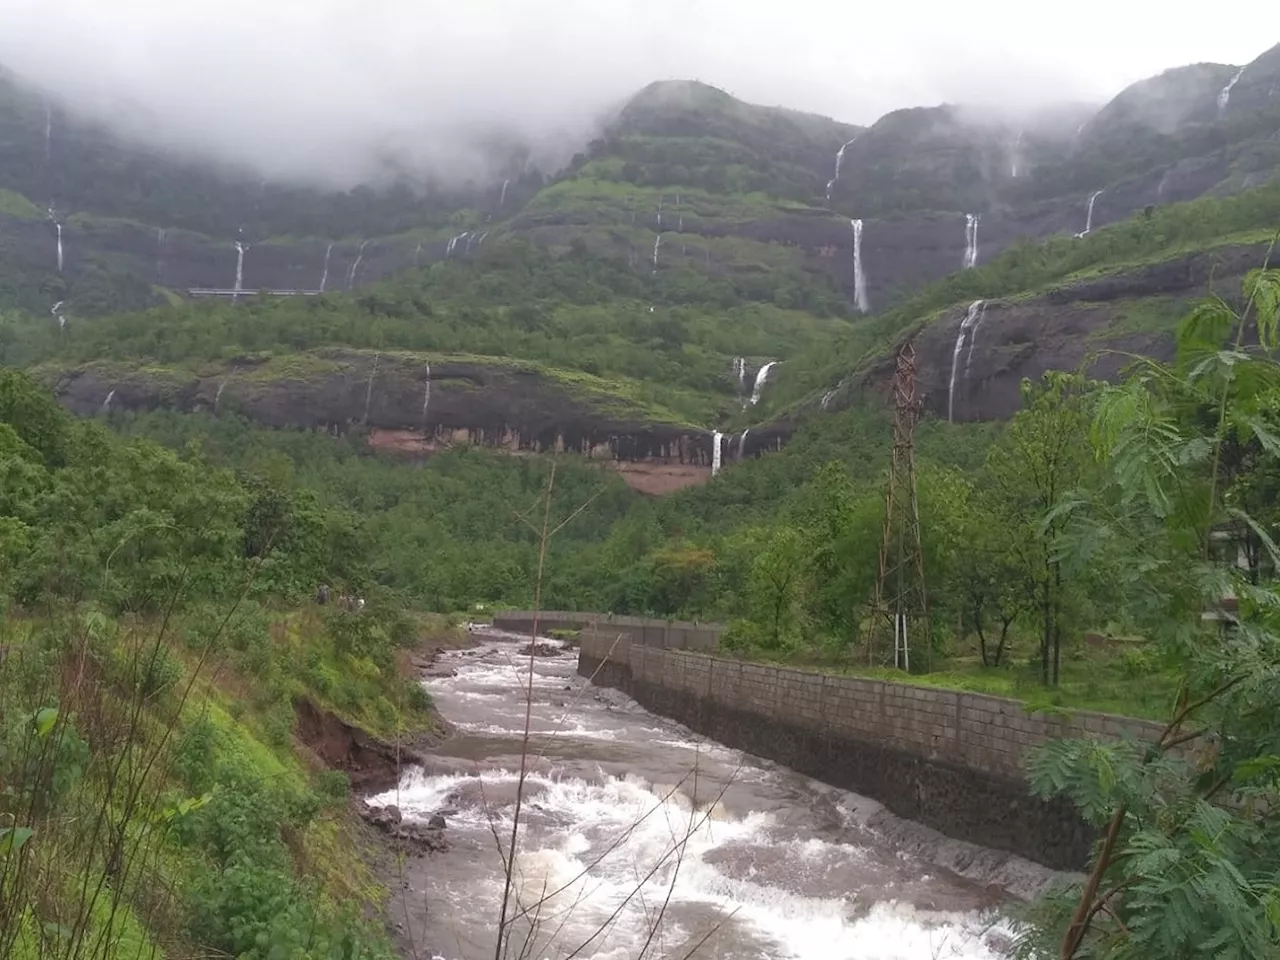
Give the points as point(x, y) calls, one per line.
point(740, 373)
point(503, 198)
point(62, 321)
point(835, 177)
point(59, 229)
point(742, 443)
point(480, 239)
point(106, 404)
point(657, 245)
point(240, 252)
point(971, 221)
point(324, 275)
point(659, 214)
point(453, 244)
point(717, 451)
point(1088, 216)
point(636, 833)
point(160, 238)
point(826, 398)
point(355, 266)
point(859, 277)
point(426, 395)
point(762, 375)
point(972, 318)
point(1224, 95)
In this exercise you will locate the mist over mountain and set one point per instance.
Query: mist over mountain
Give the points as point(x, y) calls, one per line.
point(330, 95)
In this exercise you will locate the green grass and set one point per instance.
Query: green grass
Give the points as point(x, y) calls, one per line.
point(1115, 678)
point(16, 205)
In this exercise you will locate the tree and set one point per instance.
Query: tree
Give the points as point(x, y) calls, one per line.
point(991, 582)
point(1033, 473)
point(1190, 833)
point(774, 583)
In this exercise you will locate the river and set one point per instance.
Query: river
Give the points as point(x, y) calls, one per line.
point(640, 838)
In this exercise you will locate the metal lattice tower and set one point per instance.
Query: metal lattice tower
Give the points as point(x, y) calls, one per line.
point(901, 609)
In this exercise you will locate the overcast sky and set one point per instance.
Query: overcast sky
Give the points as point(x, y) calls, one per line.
point(305, 86)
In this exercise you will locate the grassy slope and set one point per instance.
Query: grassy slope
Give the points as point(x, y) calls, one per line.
point(217, 721)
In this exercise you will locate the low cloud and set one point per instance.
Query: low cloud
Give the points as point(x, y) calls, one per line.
point(339, 92)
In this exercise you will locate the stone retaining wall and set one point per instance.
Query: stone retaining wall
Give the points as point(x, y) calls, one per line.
point(663, 634)
point(948, 759)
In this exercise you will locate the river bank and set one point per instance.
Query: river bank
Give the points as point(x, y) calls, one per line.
point(636, 833)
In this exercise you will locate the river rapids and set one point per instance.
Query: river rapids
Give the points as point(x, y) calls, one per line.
point(639, 838)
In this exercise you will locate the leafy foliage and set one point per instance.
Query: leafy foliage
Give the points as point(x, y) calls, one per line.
point(1186, 865)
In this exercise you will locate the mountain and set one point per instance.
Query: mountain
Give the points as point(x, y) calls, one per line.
point(624, 306)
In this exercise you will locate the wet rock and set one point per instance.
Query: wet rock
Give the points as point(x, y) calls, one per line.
point(421, 837)
point(540, 650)
point(384, 818)
point(413, 836)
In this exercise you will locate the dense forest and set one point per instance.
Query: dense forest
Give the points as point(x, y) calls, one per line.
point(151, 652)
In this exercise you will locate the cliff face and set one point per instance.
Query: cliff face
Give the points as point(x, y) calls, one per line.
point(180, 259)
point(1097, 324)
point(409, 406)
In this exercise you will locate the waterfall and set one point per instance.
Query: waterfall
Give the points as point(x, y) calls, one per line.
point(973, 338)
point(740, 373)
point(680, 224)
point(59, 228)
point(659, 214)
point(426, 396)
point(826, 397)
point(62, 321)
point(240, 251)
point(351, 277)
point(836, 175)
point(761, 377)
point(1088, 217)
point(453, 243)
point(503, 199)
point(480, 239)
point(971, 221)
point(972, 317)
point(859, 279)
point(217, 397)
point(368, 390)
point(742, 443)
point(717, 441)
point(324, 275)
point(657, 243)
point(1224, 95)
point(106, 404)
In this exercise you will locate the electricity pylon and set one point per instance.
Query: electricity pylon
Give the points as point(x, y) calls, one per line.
point(901, 606)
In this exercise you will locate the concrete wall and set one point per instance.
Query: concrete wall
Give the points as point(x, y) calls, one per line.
point(662, 634)
point(947, 759)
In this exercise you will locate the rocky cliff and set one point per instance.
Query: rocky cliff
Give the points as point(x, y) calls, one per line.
point(1097, 324)
point(411, 405)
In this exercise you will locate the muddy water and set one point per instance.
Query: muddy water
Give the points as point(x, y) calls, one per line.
point(639, 838)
